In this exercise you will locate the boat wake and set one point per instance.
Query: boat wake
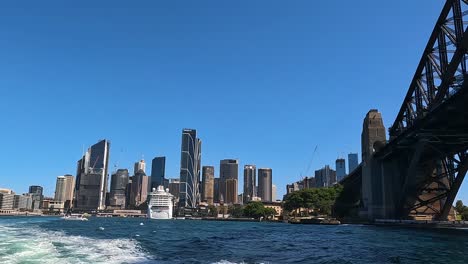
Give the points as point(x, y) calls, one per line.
point(33, 244)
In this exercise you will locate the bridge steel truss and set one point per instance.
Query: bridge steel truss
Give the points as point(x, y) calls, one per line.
point(430, 133)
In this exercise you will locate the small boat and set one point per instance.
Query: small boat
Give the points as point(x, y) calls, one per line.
point(75, 218)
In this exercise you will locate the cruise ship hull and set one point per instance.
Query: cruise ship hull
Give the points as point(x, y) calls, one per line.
point(159, 214)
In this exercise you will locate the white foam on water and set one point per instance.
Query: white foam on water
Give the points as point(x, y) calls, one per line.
point(19, 245)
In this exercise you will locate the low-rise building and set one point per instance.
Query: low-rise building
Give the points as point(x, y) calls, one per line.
point(278, 206)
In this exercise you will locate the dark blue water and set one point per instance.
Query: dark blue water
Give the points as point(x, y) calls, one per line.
point(125, 240)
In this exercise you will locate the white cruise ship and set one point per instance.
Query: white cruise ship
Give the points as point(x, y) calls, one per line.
point(160, 204)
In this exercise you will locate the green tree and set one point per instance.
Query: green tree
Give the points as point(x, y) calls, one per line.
point(254, 210)
point(269, 212)
point(212, 211)
point(236, 211)
point(293, 201)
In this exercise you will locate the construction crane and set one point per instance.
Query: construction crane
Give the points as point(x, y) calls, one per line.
point(310, 163)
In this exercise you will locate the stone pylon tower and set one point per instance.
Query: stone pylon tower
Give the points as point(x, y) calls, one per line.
point(373, 134)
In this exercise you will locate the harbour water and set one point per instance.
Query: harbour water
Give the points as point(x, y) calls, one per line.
point(131, 240)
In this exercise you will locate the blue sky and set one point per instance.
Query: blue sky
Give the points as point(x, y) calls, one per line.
point(261, 81)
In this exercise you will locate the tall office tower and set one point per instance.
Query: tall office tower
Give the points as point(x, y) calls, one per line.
point(117, 195)
point(189, 193)
point(325, 177)
point(208, 184)
point(91, 177)
point(139, 165)
point(265, 184)
point(229, 169)
point(340, 169)
point(216, 190)
point(273, 192)
point(174, 186)
point(250, 181)
point(353, 162)
point(158, 171)
point(373, 134)
point(231, 191)
point(36, 195)
point(64, 190)
point(139, 188)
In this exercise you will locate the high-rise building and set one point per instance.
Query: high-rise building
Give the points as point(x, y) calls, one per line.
point(265, 184)
point(340, 169)
point(117, 195)
point(139, 189)
point(189, 193)
point(273, 193)
point(158, 171)
point(352, 162)
point(231, 191)
point(139, 165)
point(250, 181)
point(22, 202)
point(208, 184)
point(216, 190)
point(174, 187)
point(325, 177)
point(91, 177)
point(64, 189)
point(36, 196)
point(229, 169)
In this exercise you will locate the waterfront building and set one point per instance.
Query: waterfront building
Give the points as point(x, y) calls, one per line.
point(158, 171)
point(273, 192)
point(64, 189)
point(325, 177)
point(250, 181)
point(7, 200)
point(340, 169)
point(208, 184)
point(231, 191)
point(265, 184)
point(228, 169)
point(353, 162)
point(139, 188)
point(278, 206)
point(91, 177)
point(189, 192)
point(22, 202)
point(37, 197)
point(118, 189)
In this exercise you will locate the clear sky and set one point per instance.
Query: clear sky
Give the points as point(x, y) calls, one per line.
point(262, 81)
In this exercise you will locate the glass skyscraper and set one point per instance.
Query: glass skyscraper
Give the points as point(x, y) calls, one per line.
point(190, 160)
point(340, 169)
point(229, 170)
point(265, 184)
point(158, 171)
point(352, 162)
point(91, 177)
point(250, 181)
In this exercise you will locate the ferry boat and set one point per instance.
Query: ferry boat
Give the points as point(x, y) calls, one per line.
point(160, 204)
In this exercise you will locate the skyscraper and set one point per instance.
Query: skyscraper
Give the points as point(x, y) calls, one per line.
point(231, 191)
point(340, 169)
point(265, 184)
point(273, 193)
point(216, 190)
point(250, 181)
point(64, 189)
point(189, 194)
point(139, 165)
point(325, 177)
point(229, 169)
point(158, 171)
point(119, 182)
point(91, 177)
point(139, 188)
point(208, 184)
point(352, 162)
point(36, 194)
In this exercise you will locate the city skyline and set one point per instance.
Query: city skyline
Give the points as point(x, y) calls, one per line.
point(267, 86)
